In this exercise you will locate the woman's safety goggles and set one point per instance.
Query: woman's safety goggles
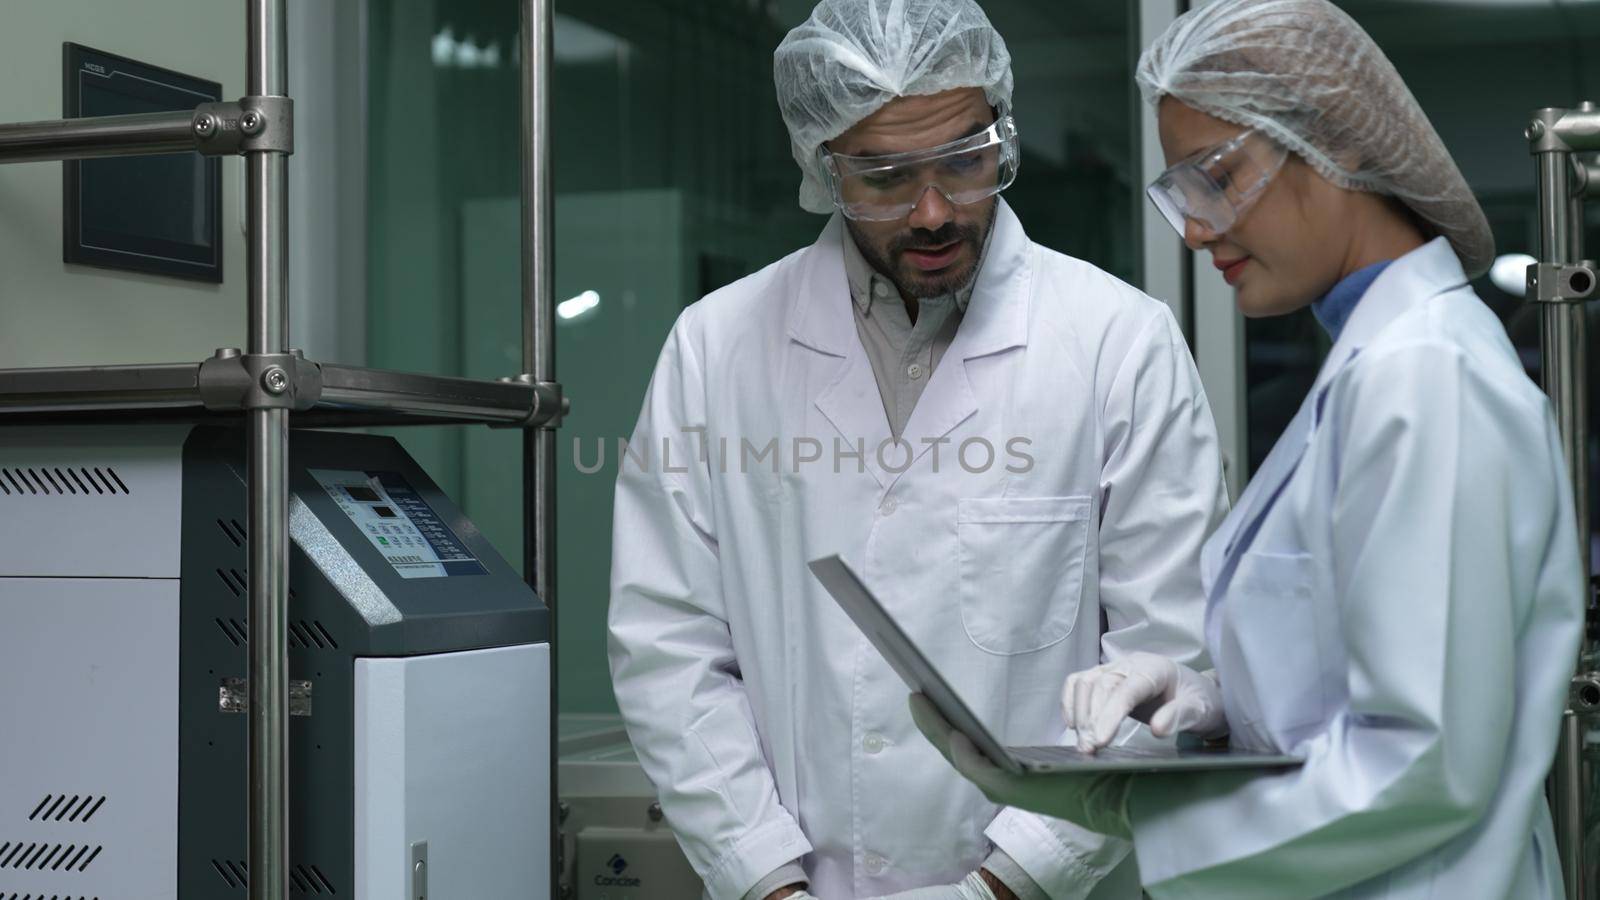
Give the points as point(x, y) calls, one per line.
point(889, 187)
point(1215, 186)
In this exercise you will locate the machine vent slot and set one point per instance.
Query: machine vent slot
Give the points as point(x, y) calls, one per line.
point(226, 530)
point(223, 871)
point(326, 636)
point(83, 488)
point(321, 878)
point(228, 633)
point(303, 879)
point(235, 582)
point(302, 634)
point(312, 634)
point(62, 807)
point(51, 857)
point(56, 481)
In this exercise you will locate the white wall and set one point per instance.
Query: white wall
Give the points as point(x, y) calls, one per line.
point(54, 314)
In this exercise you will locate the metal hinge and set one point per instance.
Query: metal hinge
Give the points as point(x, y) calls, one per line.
point(233, 696)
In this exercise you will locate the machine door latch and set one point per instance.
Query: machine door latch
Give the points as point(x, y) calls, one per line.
point(419, 871)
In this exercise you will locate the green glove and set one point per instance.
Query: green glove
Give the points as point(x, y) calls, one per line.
point(1096, 802)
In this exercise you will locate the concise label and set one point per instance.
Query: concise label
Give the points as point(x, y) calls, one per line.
point(398, 523)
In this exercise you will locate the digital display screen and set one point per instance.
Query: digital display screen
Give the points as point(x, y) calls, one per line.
point(157, 214)
point(399, 523)
point(159, 199)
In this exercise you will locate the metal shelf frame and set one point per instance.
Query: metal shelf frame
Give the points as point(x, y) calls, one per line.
point(1561, 282)
point(272, 386)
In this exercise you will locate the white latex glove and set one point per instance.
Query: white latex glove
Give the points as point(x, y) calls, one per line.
point(971, 887)
point(1095, 701)
point(1097, 802)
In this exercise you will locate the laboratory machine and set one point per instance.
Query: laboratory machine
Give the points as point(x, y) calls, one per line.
point(419, 673)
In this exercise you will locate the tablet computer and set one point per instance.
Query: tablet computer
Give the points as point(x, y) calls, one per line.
point(858, 602)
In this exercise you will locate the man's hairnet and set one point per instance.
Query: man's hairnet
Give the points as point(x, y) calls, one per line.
point(1304, 73)
point(853, 56)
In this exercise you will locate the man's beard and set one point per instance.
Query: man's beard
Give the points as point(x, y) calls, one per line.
point(912, 287)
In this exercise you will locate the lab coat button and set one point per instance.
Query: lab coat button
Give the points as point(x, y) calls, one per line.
point(914, 371)
point(875, 864)
point(889, 506)
point(873, 743)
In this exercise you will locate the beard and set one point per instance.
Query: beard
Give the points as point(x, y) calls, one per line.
point(887, 256)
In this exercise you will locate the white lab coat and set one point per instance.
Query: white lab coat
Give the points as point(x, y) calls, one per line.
point(1398, 597)
point(770, 726)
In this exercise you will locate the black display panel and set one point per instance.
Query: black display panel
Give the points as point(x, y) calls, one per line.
point(414, 540)
point(157, 214)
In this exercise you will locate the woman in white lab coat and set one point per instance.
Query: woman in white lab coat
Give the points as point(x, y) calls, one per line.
point(1397, 596)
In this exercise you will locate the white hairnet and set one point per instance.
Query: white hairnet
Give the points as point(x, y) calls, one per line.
point(1303, 72)
point(853, 56)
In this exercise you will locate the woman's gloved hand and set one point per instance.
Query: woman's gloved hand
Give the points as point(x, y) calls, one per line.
point(1095, 701)
point(1096, 802)
point(970, 888)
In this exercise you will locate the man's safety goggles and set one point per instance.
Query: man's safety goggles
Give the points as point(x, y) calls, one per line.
point(885, 188)
point(1215, 186)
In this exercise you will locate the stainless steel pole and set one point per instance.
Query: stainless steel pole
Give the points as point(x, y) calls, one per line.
point(538, 282)
point(1567, 809)
point(160, 132)
point(539, 356)
point(1563, 371)
point(266, 202)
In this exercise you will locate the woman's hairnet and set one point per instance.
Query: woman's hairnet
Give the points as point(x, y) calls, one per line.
point(853, 56)
point(1303, 72)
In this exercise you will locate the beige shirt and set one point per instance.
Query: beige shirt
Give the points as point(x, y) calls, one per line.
point(903, 353)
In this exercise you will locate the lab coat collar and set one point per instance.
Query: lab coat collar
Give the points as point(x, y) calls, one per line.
point(996, 316)
point(996, 320)
point(1425, 272)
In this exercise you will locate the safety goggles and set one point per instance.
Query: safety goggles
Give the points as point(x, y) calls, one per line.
point(1215, 186)
point(889, 187)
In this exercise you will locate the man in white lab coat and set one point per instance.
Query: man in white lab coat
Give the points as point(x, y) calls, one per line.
point(1012, 446)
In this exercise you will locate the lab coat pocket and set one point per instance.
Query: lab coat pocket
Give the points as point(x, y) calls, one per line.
point(1273, 609)
point(1020, 568)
